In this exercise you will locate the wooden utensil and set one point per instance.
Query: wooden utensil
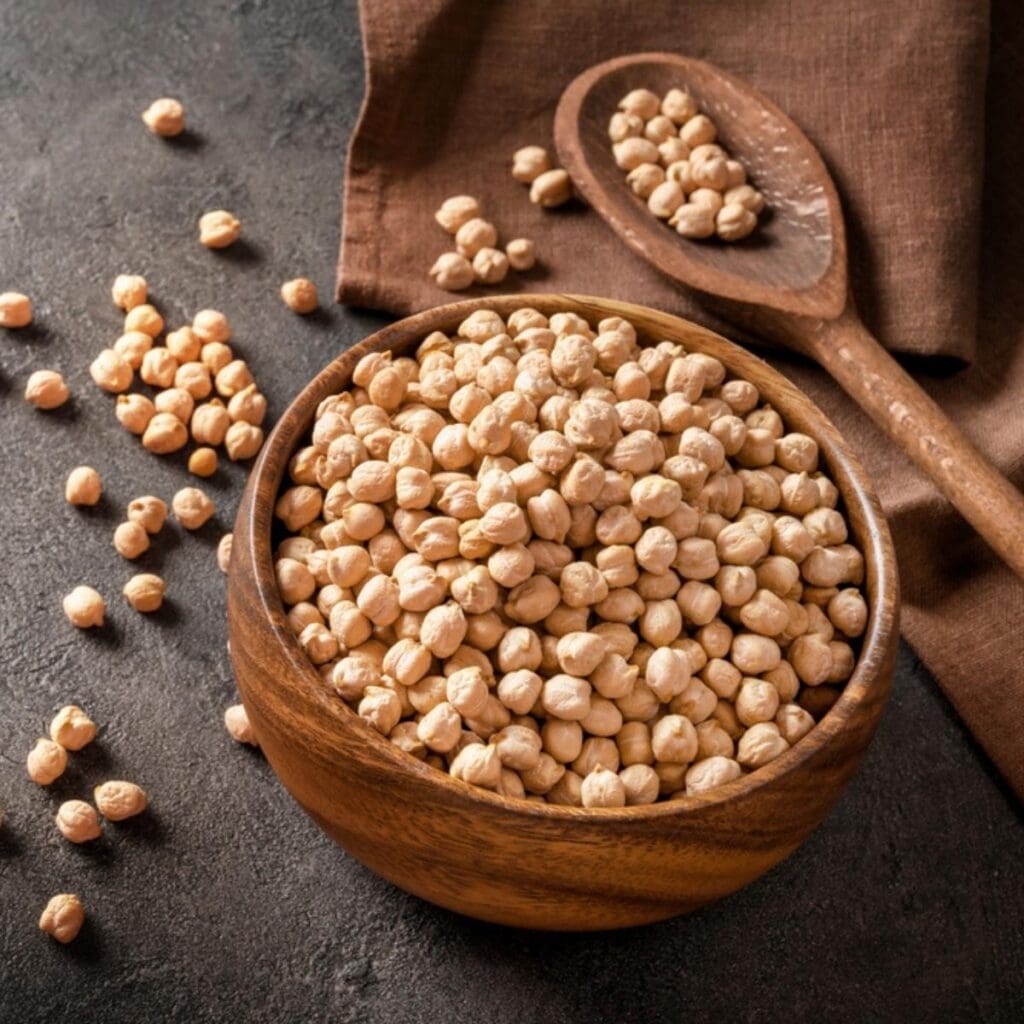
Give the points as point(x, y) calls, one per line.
point(528, 864)
point(791, 274)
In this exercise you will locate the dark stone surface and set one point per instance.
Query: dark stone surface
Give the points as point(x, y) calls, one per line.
point(225, 902)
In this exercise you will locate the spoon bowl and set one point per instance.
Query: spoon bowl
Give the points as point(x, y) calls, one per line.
point(794, 261)
point(788, 280)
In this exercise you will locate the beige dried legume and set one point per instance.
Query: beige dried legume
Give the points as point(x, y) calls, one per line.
point(668, 149)
point(560, 562)
point(63, 917)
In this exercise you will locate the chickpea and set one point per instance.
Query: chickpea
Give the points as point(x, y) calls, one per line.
point(456, 211)
point(46, 762)
point(794, 722)
point(710, 773)
point(149, 512)
point(203, 462)
point(83, 487)
point(551, 188)
point(242, 440)
point(693, 220)
point(72, 728)
point(603, 788)
point(165, 117)
point(84, 607)
point(118, 800)
point(134, 412)
point(191, 507)
point(145, 592)
point(164, 433)
point(45, 389)
point(674, 739)
point(300, 295)
point(63, 917)
point(132, 347)
point(236, 721)
point(623, 125)
point(530, 162)
point(15, 310)
point(111, 372)
point(452, 272)
point(218, 229)
point(760, 744)
point(130, 540)
point(521, 254)
point(734, 220)
point(193, 378)
point(78, 821)
point(478, 765)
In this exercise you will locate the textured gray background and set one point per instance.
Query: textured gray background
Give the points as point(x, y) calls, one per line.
point(224, 902)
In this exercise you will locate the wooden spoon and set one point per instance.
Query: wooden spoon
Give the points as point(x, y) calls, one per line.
point(791, 274)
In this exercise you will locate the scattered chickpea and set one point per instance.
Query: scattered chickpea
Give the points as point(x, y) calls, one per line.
point(46, 762)
point(83, 486)
point(132, 348)
point(300, 295)
point(130, 540)
point(474, 235)
point(455, 211)
point(84, 607)
point(63, 917)
point(165, 117)
point(184, 344)
point(111, 372)
point(72, 728)
point(550, 189)
point(564, 564)
point(242, 440)
point(218, 229)
point(202, 462)
point(236, 721)
point(117, 800)
point(145, 318)
point(145, 592)
point(191, 507)
point(149, 512)
point(15, 310)
point(78, 821)
point(490, 266)
point(452, 272)
point(134, 412)
point(211, 326)
point(521, 254)
point(164, 433)
point(529, 163)
point(45, 389)
point(129, 291)
point(224, 552)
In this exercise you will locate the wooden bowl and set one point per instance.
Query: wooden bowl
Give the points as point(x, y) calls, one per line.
point(512, 861)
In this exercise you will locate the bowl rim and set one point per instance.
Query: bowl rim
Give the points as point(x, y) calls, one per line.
point(881, 574)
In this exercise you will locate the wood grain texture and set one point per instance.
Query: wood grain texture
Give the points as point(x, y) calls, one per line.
point(522, 863)
point(788, 280)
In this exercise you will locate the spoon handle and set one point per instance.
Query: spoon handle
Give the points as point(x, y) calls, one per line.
point(898, 405)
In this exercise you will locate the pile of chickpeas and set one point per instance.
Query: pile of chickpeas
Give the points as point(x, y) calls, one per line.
point(476, 258)
point(563, 565)
point(194, 363)
point(668, 148)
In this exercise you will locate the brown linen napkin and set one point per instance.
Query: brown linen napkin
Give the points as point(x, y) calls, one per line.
point(893, 94)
